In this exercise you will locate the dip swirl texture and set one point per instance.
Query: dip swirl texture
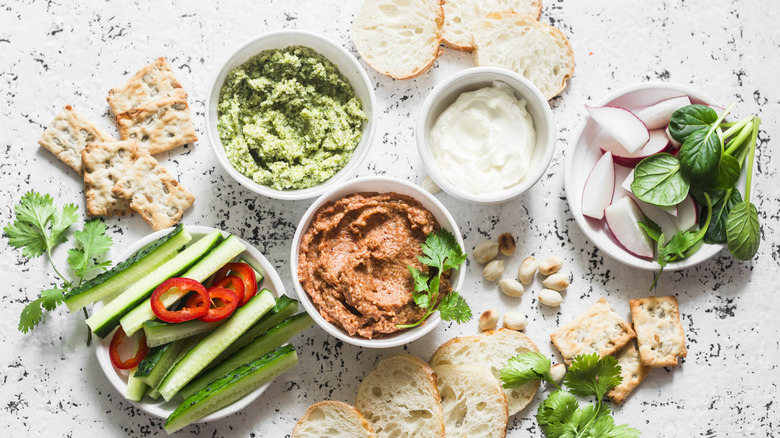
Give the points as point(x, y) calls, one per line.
point(288, 118)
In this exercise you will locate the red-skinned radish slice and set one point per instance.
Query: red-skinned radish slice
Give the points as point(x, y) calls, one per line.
point(626, 185)
point(657, 116)
point(598, 190)
point(675, 144)
point(623, 218)
point(688, 214)
point(658, 143)
point(622, 125)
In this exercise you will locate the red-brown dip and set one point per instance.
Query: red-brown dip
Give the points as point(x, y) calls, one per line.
point(353, 261)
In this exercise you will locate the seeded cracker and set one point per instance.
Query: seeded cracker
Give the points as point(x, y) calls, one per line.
point(153, 193)
point(632, 371)
point(68, 133)
point(154, 81)
point(659, 333)
point(159, 125)
point(104, 164)
point(599, 330)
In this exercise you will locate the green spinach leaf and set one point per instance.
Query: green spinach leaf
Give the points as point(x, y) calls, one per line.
point(743, 231)
point(716, 233)
point(700, 154)
point(727, 175)
point(689, 119)
point(658, 180)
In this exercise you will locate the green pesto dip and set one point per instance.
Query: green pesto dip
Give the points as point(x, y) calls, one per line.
point(288, 119)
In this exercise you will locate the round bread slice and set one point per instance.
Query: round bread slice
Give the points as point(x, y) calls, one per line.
point(399, 38)
point(400, 400)
point(491, 350)
point(539, 52)
point(462, 16)
point(332, 419)
point(474, 403)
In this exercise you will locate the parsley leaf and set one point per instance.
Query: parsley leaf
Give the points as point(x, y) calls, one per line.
point(454, 308)
point(33, 313)
point(524, 368)
point(91, 242)
point(590, 376)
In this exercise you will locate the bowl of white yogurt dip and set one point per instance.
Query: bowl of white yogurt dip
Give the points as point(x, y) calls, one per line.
point(485, 135)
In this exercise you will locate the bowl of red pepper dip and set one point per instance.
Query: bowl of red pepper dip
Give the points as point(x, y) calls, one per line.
point(350, 256)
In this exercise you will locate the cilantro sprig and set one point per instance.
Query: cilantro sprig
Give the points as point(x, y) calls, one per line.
point(40, 226)
point(441, 252)
point(560, 414)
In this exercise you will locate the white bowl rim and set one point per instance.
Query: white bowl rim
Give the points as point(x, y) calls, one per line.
point(276, 286)
point(533, 176)
point(405, 336)
point(706, 252)
point(290, 195)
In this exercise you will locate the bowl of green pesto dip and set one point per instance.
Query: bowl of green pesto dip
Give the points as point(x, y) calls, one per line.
point(289, 114)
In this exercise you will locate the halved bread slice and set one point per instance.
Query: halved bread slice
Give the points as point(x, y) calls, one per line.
point(400, 400)
point(539, 52)
point(474, 403)
point(332, 419)
point(491, 350)
point(462, 16)
point(399, 38)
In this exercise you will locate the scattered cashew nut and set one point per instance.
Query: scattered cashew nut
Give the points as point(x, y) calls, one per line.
point(515, 321)
point(511, 287)
point(493, 270)
point(488, 320)
point(527, 270)
point(550, 298)
point(557, 282)
point(485, 251)
point(550, 265)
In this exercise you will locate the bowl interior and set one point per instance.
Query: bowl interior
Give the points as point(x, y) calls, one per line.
point(382, 185)
point(347, 65)
point(446, 93)
point(583, 153)
point(161, 408)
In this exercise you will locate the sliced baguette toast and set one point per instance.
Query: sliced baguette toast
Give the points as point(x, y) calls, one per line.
point(462, 16)
point(474, 403)
point(332, 419)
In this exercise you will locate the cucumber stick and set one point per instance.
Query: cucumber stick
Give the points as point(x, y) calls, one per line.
point(258, 276)
point(136, 388)
point(104, 320)
point(215, 343)
point(272, 339)
point(232, 387)
point(160, 333)
point(205, 268)
point(129, 271)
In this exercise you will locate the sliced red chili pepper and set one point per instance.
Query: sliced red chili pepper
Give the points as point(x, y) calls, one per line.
point(229, 302)
point(246, 273)
point(120, 338)
point(186, 314)
point(234, 283)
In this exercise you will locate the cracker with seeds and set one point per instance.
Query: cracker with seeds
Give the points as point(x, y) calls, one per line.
point(154, 81)
point(104, 164)
point(632, 371)
point(153, 193)
point(659, 333)
point(160, 125)
point(599, 330)
point(68, 134)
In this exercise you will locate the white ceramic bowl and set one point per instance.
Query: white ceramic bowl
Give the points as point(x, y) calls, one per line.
point(161, 408)
point(445, 94)
point(347, 65)
point(583, 152)
point(381, 185)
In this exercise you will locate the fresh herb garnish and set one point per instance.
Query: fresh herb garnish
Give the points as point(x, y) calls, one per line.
point(38, 228)
point(441, 253)
point(560, 414)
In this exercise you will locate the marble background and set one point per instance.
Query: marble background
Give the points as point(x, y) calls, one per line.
point(54, 53)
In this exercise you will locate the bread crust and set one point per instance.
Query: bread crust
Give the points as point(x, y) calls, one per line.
point(331, 404)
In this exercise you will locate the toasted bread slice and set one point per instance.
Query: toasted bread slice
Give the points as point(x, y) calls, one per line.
point(474, 403)
point(539, 52)
point(332, 419)
point(399, 38)
point(491, 350)
point(400, 400)
point(462, 16)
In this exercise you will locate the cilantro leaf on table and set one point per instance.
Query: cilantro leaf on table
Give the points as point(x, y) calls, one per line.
point(524, 368)
point(39, 225)
point(33, 311)
point(91, 242)
point(454, 308)
point(590, 376)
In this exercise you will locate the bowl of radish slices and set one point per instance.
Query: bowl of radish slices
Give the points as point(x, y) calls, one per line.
point(624, 128)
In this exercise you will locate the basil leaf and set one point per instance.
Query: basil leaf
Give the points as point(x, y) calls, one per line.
point(743, 231)
point(716, 233)
point(700, 154)
point(689, 119)
point(659, 181)
point(727, 174)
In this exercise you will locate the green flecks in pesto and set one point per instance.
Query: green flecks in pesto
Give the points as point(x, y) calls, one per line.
point(288, 118)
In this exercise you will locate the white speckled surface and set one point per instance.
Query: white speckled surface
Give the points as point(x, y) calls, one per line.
point(57, 53)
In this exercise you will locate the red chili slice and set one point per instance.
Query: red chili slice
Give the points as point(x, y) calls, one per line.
point(186, 314)
point(120, 338)
point(234, 283)
point(229, 302)
point(246, 273)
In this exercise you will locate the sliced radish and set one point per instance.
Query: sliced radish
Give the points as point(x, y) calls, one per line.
point(675, 144)
point(623, 218)
point(660, 217)
point(658, 143)
point(718, 109)
point(657, 116)
point(597, 193)
point(688, 214)
point(622, 125)
point(621, 173)
point(672, 209)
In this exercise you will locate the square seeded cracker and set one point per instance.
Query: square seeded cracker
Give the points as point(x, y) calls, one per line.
point(659, 333)
point(153, 192)
point(68, 134)
point(632, 371)
point(104, 164)
point(600, 329)
point(154, 81)
point(159, 125)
